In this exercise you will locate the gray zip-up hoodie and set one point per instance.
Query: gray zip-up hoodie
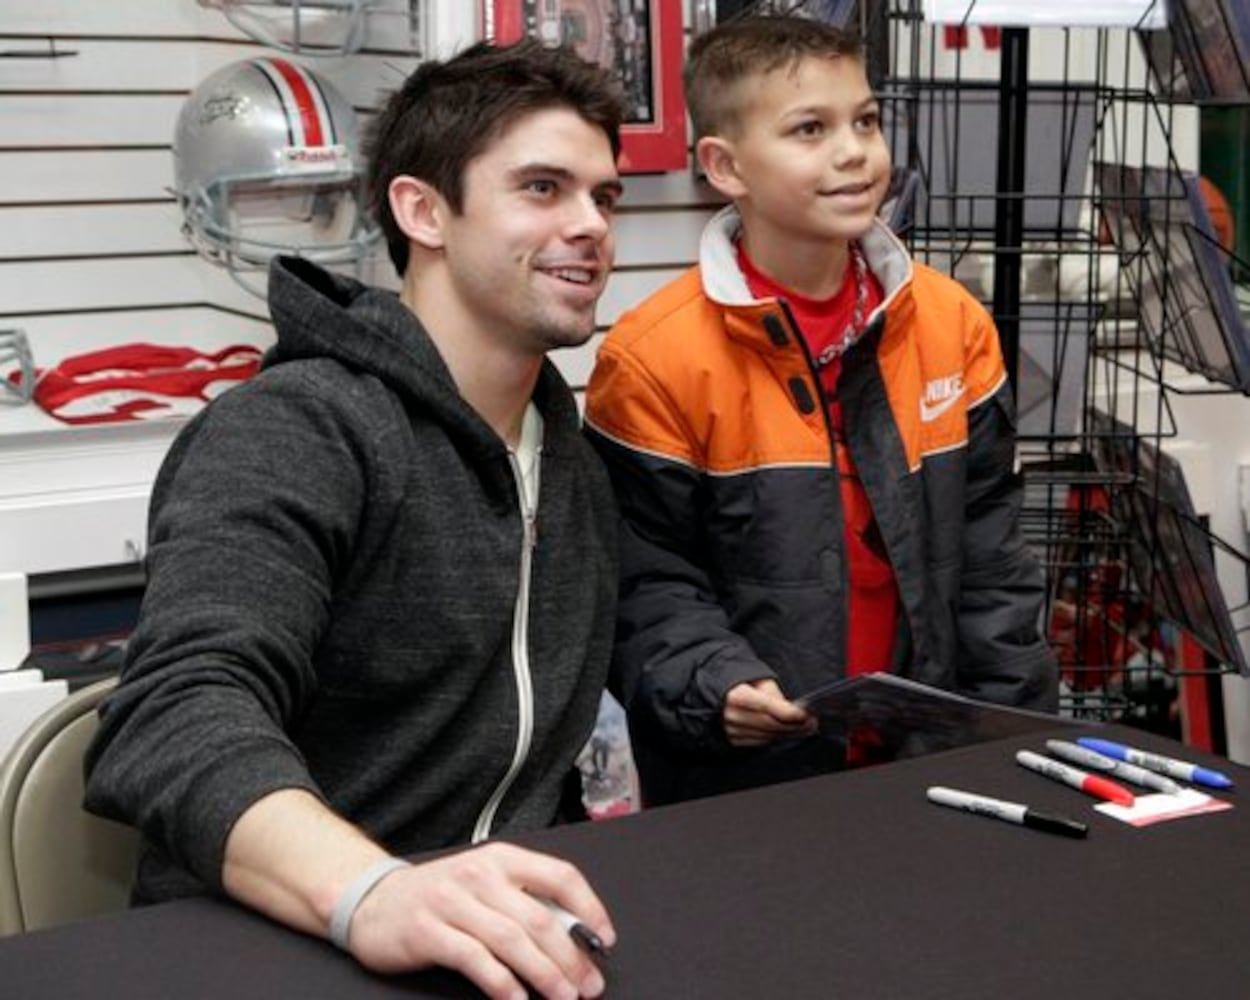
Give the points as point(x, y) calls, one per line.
point(335, 566)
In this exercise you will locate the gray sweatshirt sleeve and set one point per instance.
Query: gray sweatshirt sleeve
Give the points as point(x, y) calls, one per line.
point(253, 516)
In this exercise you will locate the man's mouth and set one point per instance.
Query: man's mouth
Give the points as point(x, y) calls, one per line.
point(577, 275)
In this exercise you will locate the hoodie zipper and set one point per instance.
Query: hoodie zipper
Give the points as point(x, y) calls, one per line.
point(520, 648)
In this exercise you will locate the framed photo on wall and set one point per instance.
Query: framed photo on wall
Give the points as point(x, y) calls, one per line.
point(640, 41)
point(709, 13)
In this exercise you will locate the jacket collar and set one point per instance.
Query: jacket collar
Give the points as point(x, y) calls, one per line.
point(725, 284)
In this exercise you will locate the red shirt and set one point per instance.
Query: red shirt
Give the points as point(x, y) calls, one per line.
point(873, 595)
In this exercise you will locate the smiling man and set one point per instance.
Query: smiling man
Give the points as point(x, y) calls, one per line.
point(811, 439)
point(354, 646)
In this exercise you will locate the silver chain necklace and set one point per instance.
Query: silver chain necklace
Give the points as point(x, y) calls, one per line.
point(855, 329)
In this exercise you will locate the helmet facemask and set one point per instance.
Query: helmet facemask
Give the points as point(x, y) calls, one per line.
point(307, 28)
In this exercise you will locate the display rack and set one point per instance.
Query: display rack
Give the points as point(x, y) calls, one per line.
point(1102, 294)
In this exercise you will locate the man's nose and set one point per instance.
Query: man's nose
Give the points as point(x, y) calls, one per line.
point(587, 218)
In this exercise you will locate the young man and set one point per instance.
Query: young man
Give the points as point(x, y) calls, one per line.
point(354, 642)
point(811, 440)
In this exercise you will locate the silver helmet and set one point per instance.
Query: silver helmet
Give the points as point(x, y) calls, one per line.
point(266, 162)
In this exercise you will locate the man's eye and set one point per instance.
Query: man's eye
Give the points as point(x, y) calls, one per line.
point(606, 201)
point(541, 187)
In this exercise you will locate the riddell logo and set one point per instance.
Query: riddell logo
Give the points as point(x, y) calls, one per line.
point(315, 159)
point(939, 396)
point(312, 154)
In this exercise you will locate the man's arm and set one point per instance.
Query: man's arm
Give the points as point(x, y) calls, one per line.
point(475, 911)
point(193, 746)
point(243, 552)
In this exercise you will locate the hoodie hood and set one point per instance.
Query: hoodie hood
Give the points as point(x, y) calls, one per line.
point(321, 315)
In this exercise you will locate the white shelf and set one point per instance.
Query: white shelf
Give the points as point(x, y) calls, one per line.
point(75, 497)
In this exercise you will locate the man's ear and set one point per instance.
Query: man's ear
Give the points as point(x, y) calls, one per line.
point(419, 211)
point(716, 159)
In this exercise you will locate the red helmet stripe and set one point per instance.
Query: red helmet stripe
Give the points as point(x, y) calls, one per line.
point(310, 110)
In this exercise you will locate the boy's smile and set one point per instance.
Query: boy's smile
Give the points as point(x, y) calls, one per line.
point(851, 196)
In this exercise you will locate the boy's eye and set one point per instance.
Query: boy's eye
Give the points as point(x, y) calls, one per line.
point(541, 187)
point(808, 128)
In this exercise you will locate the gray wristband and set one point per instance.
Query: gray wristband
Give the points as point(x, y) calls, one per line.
point(350, 898)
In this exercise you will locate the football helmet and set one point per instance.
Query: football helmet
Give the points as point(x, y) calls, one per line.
point(302, 27)
point(17, 384)
point(266, 162)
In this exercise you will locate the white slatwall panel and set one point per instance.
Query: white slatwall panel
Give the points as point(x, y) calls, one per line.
point(386, 24)
point(134, 19)
point(99, 64)
point(93, 255)
point(92, 230)
point(89, 120)
point(111, 283)
point(99, 175)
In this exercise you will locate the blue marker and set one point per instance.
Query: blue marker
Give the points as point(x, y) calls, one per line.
point(1156, 762)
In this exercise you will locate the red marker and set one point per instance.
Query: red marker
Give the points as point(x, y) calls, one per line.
point(1091, 784)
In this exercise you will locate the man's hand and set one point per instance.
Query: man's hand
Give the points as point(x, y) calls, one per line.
point(477, 912)
point(757, 713)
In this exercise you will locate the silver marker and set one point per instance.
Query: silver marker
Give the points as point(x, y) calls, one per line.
point(1121, 769)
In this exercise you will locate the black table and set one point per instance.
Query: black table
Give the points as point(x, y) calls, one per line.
point(851, 885)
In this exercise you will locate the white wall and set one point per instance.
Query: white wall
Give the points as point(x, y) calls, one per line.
point(93, 253)
point(92, 257)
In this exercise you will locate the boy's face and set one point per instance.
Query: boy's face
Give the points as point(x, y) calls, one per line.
point(529, 254)
point(807, 161)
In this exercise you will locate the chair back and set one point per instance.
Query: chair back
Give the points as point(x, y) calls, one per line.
point(58, 862)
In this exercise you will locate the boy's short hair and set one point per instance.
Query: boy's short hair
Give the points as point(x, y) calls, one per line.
point(447, 113)
point(726, 55)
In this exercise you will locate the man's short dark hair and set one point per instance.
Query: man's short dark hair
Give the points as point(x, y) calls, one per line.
point(447, 113)
point(747, 47)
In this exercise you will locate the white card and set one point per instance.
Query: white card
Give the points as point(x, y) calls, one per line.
point(1149, 809)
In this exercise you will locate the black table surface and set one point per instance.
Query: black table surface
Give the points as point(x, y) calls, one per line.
point(852, 885)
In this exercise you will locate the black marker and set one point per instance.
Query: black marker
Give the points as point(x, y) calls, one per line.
point(1012, 812)
point(585, 938)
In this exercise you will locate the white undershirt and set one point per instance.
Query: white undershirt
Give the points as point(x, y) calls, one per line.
point(527, 452)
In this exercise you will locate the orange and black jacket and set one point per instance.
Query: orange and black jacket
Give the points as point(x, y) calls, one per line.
point(708, 412)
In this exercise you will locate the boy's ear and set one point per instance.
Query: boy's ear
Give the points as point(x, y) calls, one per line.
point(716, 159)
point(419, 211)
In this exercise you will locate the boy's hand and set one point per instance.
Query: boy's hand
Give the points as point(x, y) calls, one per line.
point(757, 713)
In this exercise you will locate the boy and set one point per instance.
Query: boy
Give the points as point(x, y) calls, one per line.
point(351, 647)
point(810, 437)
